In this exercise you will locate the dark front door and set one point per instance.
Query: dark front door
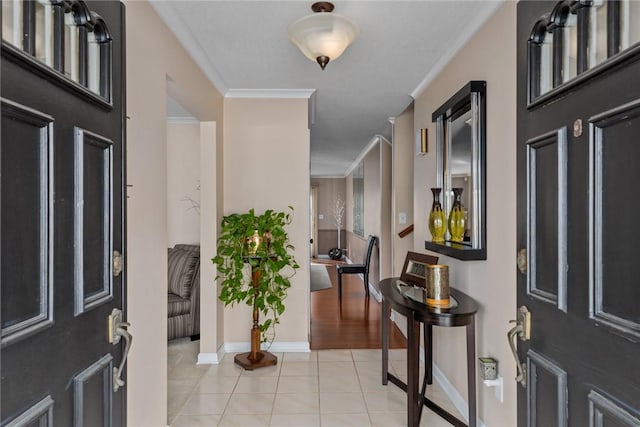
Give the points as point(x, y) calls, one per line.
point(578, 204)
point(62, 213)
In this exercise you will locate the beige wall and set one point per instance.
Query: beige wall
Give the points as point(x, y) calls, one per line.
point(490, 56)
point(153, 55)
point(356, 245)
point(385, 237)
point(403, 157)
point(327, 191)
point(372, 192)
point(183, 182)
point(266, 150)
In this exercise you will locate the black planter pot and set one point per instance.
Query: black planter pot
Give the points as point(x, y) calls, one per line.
point(335, 253)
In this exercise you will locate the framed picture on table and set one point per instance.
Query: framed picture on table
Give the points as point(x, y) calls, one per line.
point(414, 270)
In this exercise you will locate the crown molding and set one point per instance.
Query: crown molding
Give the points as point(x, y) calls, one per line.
point(182, 120)
point(372, 143)
point(456, 46)
point(271, 93)
point(327, 176)
point(167, 13)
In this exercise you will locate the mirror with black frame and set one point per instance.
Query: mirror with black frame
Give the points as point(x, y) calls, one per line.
point(460, 149)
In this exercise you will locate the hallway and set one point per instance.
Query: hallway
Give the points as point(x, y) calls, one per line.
point(354, 324)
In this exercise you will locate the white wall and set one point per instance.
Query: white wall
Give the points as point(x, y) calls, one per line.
point(183, 183)
point(490, 55)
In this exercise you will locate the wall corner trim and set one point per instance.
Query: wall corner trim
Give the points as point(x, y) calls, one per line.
point(271, 93)
point(165, 10)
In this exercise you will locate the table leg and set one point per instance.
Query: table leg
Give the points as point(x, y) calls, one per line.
point(428, 352)
point(384, 319)
point(471, 371)
point(413, 371)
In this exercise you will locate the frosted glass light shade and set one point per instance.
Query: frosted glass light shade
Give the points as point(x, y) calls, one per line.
point(322, 34)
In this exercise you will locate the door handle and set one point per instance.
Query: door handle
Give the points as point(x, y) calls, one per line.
point(117, 329)
point(523, 331)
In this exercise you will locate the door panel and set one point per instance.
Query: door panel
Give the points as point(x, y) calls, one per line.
point(547, 180)
point(580, 234)
point(93, 220)
point(546, 392)
point(26, 252)
point(62, 216)
point(614, 154)
point(92, 390)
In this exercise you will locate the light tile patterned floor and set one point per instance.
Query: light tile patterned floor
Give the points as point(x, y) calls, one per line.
point(326, 388)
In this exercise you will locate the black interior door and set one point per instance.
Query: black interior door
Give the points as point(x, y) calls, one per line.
point(578, 204)
point(62, 212)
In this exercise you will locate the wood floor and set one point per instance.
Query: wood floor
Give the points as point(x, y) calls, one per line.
point(353, 324)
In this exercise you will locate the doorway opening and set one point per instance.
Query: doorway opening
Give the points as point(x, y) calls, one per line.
point(183, 239)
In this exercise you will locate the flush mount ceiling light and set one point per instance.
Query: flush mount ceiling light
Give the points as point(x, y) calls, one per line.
point(322, 36)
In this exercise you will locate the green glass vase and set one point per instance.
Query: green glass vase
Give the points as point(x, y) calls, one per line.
point(437, 218)
point(457, 217)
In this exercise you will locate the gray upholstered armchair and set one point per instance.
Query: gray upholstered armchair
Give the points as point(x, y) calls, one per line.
point(184, 291)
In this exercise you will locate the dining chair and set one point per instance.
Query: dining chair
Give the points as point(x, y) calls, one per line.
point(358, 268)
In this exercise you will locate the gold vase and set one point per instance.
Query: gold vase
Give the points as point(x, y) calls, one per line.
point(252, 243)
point(437, 218)
point(457, 217)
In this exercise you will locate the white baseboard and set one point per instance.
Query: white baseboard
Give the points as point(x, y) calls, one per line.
point(374, 292)
point(456, 398)
point(276, 347)
point(211, 358)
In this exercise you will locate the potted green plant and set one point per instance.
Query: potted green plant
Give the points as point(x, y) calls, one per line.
point(261, 243)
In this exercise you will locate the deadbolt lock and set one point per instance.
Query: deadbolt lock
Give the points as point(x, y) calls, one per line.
point(522, 261)
point(577, 128)
point(117, 263)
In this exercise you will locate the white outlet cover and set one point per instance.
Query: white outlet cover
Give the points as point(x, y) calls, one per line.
point(320, 217)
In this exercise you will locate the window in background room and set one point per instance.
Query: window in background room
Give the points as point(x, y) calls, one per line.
point(358, 199)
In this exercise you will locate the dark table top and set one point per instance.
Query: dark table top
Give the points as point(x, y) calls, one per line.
point(459, 315)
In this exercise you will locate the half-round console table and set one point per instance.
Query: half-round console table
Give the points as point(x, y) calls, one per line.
point(462, 314)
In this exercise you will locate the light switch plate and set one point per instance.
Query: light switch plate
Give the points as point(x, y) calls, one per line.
point(320, 217)
point(402, 218)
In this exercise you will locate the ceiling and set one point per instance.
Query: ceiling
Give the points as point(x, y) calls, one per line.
point(243, 45)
